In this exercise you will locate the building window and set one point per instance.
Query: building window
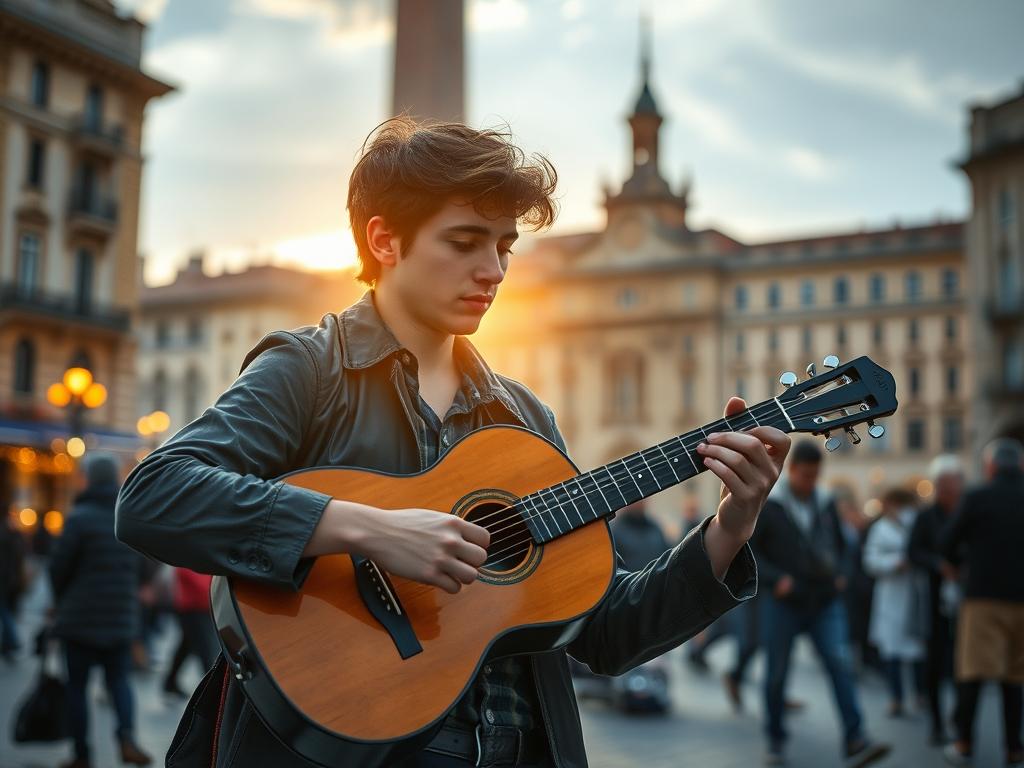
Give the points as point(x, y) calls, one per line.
point(807, 293)
point(24, 367)
point(1006, 213)
point(29, 255)
point(774, 296)
point(41, 84)
point(688, 345)
point(841, 290)
point(163, 334)
point(195, 330)
point(876, 288)
point(626, 386)
point(191, 394)
point(841, 335)
point(626, 298)
point(741, 387)
point(94, 108)
point(160, 390)
point(878, 333)
point(36, 164)
point(915, 382)
point(912, 286)
point(687, 393)
point(915, 435)
point(773, 340)
point(913, 331)
point(950, 283)
point(808, 339)
point(952, 434)
point(950, 328)
point(741, 343)
point(1013, 365)
point(83, 280)
point(741, 298)
point(952, 380)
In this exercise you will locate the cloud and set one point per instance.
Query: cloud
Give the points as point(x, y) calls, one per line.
point(808, 163)
point(500, 15)
point(146, 11)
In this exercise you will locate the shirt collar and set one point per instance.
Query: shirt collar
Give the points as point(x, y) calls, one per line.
point(367, 341)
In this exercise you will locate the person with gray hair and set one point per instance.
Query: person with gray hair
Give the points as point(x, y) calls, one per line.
point(946, 473)
point(95, 580)
point(987, 535)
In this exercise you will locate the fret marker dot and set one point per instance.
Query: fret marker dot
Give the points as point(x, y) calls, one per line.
point(575, 492)
point(640, 474)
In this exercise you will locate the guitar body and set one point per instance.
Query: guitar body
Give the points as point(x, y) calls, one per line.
point(325, 674)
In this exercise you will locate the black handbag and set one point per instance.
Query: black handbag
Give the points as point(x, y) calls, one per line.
point(41, 716)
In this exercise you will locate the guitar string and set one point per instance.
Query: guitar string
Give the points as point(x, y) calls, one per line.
point(660, 463)
point(516, 518)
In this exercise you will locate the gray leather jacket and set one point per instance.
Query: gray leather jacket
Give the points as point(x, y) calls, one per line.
point(335, 395)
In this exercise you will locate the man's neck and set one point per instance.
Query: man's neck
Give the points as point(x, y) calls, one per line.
point(433, 350)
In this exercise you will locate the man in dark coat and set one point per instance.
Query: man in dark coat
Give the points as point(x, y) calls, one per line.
point(95, 581)
point(987, 536)
point(12, 559)
point(638, 538)
point(948, 480)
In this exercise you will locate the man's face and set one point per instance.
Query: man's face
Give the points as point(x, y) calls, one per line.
point(803, 477)
point(948, 488)
point(450, 276)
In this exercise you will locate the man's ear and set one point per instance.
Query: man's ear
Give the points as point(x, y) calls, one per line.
point(384, 244)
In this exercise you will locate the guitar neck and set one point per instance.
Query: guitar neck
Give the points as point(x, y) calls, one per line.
point(559, 509)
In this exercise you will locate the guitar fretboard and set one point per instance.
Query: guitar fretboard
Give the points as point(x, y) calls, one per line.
point(558, 509)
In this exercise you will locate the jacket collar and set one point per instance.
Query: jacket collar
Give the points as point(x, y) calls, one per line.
point(366, 341)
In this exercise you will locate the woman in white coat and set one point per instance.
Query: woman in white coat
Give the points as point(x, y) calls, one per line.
point(898, 623)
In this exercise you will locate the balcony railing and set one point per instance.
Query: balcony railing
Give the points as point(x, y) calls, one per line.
point(91, 211)
point(96, 133)
point(63, 307)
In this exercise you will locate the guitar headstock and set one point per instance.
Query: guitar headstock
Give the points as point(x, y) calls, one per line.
point(856, 392)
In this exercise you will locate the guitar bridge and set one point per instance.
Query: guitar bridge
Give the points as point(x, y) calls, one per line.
point(381, 600)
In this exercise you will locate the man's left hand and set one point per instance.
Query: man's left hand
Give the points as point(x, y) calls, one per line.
point(748, 464)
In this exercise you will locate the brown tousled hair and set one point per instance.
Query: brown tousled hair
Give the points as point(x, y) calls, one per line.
point(409, 170)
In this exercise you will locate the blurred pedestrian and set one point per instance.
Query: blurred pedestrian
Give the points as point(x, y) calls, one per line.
point(800, 552)
point(198, 636)
point(854, 525)
point(947, 477)
point(638, 537)
point(12, 577)
point(95, 582)
point(899, 605)
point(987, 535)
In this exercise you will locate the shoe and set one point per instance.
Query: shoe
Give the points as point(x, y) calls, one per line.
point(1015, 760)
point(861, 752)
point(954, 756)
point(698, 663)
point(131, 754)
point(774, 755)
point(793, 705)
point(733, 692)
point(78, 762)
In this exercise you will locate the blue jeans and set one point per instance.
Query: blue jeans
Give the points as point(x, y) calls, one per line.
point(116, 662)
point(830, 634)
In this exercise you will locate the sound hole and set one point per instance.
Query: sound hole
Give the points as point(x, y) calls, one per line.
point(510, 538)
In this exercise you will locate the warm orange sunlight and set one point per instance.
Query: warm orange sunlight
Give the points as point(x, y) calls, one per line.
point(324, 251)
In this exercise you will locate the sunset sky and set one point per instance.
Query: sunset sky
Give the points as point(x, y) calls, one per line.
point(791, 117)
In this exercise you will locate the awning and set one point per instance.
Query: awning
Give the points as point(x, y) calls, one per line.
point(39, 434)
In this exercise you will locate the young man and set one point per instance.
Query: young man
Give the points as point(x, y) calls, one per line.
point(391, 384)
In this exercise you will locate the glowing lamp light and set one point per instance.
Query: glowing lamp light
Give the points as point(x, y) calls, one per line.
point(95, 395)
point(77, 380)
point(53, 522)
point(144, 426)
point(872, 507)
point(57, 394)
point(28, 517)
point(76, 447)
point(159, 421)
point(924, 488)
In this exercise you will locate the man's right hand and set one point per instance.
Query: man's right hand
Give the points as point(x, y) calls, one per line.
point(783, 586)
point(431, 547)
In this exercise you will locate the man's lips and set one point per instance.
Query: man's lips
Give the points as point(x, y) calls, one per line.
point(479, 300)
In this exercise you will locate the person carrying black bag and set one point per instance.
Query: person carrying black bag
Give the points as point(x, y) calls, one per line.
point(41, 716)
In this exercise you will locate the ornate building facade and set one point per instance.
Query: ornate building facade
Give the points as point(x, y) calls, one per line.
point(72, 97)
point(642, 330)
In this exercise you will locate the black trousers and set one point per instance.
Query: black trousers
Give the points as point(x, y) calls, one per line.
point(967, 706)
point(938, 667)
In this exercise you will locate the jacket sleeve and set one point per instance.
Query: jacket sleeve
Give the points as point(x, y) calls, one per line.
point(921, 549)
point(207, 500)
point(650, 611)
point(880, 559)
point(958, 528)
point(65, 556)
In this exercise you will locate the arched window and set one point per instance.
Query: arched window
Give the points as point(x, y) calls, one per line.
point(29, 254)
point(626, 380)
point(83, 280)
point(160, 390)
point(24, 367)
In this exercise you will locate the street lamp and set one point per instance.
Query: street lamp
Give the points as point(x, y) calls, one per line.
point(152, 425)
point(78, 392)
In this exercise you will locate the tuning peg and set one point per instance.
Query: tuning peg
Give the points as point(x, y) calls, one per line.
point(788, 379)
point(854, 437)
point(875, 430)
point(832, 443)
point(831, 362)
point(812, 371)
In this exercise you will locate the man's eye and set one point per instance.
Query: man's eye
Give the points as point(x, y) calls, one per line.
point(462, 246)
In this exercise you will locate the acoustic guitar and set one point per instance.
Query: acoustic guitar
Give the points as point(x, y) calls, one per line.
point(359, 667)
